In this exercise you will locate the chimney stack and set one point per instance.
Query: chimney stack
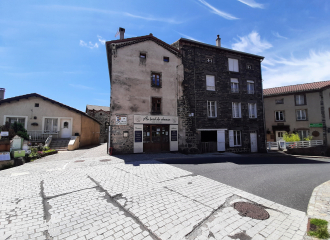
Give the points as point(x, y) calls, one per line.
point(122, 32)
point(218, 41)
point(2, 93)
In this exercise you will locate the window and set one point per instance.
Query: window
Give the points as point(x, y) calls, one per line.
point(20, 120)
point(36, 104)
point(236, 108)
point(250, 87)
point(233, 65)
point(210, 84)
point(303, 134)
point(301, 115)
point(279, 115)
point(249, 66)
point(166, 59)
point(279, 101)
point(300, 99)
point(156, 80)
point(234, 138)
point(50, 125)
point(211, 108)
point(156, 105)
point(234, 85)
point(252, 110)
point(209, 60)
point(143, 56)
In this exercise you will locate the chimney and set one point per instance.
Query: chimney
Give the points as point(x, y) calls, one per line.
point(2, 93)
point(122, 32)
point(218, 41)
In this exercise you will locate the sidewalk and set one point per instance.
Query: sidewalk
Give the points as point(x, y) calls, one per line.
point(96, 196)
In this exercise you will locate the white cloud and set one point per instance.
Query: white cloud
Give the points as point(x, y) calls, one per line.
point(282, 71)
point(101, 40)
point(276, 34)
point(89, 45)
point(252, 3)
point(251, 44)
point(186, 36)
point(167, 20)
point(80, 86)
point(217, 11)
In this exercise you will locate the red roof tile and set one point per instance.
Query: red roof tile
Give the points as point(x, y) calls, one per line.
point(296, 88)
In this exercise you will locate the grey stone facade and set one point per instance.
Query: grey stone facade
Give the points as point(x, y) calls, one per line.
point(102, 114)
point(195, 95)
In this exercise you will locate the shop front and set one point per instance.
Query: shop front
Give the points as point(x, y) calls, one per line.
point(155, 133)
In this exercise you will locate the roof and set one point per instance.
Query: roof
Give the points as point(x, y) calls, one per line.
point(216, 47)
point(129, 41)
point(97, 108)
point(315, 86)
point(26, 96)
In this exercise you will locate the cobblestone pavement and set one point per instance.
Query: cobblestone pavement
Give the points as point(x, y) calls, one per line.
point(87, 194)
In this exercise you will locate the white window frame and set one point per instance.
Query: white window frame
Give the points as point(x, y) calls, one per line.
point(283, 116)
point(300, 116)
point(14, 116)
point(210, 83)
point(52, 127)
point(250, 87)
point(235, 139)
point(300, 99)
point(233, 65)
point(236, 110)
point(234, 85)
point(252, 110)
point(303, 134)
point(211, 113)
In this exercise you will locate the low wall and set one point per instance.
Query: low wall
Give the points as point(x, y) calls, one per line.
point(313, 151)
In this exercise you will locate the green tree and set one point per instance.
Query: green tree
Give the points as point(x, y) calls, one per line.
point(293, 137)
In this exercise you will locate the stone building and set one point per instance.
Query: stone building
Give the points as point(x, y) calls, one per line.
point(144, 75)
point(302, 108)
point(102, 114)
point(221, 108)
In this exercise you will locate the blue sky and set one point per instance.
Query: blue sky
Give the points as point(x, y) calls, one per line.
point(56, 48)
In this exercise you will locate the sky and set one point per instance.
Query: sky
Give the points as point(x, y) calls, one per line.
point(56, 48)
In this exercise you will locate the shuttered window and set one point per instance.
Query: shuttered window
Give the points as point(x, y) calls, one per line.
point(250, 87)
point(301, 115)
point(233, 65)
point(236, 109)
point(210, 83)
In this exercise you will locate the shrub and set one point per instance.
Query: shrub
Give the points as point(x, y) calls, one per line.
point(293, 137)
point(308, 138)
point(319, 228)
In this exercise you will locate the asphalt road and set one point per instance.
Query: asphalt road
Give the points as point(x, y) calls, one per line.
point(285, 180)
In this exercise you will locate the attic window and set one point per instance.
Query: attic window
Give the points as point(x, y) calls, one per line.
point(36, 105)
point(143, 56)
point(249, 66)
point(209, 60)
point(166, 59)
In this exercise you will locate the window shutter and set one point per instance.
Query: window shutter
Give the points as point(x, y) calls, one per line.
point(235, 62)
point(215, 109)
point(239, 110)
point(255, 110)
point(231, 138)
point(230, 64)
point(233, 109)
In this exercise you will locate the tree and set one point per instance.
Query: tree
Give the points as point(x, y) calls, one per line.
point(293, 137)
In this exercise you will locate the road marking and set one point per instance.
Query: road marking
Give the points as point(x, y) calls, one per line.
point(19, 174)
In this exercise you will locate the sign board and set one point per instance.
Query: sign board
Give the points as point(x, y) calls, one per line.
point(4, 134)
point(155, 119)
point(174, 135)
point(121, 119)
point(138, 136)
point(316, 125)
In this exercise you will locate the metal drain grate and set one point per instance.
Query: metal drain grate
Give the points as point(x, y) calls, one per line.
point(105, 160)
point(251, 210)
point(80, 161)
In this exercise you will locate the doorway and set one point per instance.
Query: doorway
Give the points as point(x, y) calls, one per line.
point(279, 138)
point(156, 138)
point(253, 140)
point(66, 128)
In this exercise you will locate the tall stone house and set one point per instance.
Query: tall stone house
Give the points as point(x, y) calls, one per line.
point(188, 96)
point(302, 109)
point(144, 72)
point(102, 114)
point(221, 108)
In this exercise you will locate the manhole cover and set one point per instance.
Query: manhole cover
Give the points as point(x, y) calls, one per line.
point(80, 161)
point(105, 160)
point(251, 210)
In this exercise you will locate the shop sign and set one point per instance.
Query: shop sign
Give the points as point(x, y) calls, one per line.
point(138, 136)
point(316, 125)
point(174, 136)
point(121, 119)
point(144, 119)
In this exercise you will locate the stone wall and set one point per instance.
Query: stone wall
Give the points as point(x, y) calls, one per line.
point(195, 95)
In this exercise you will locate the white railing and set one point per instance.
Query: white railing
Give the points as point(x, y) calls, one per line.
point(272, 145)
point(39, 135)
point(304, 144)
